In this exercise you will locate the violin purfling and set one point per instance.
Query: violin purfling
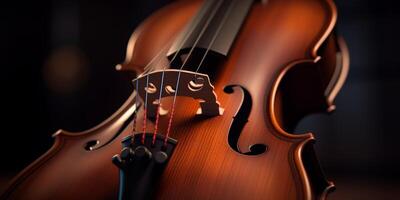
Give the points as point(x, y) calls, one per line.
point(234, 77)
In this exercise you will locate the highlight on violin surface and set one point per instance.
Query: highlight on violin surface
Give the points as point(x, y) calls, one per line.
point(219, 88)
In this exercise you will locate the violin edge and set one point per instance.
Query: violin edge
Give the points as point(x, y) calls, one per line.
point(60, 137)
point(336, 84)
point(36, 164)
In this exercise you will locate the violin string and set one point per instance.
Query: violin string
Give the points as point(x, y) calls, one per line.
point(147, 73)
point(147, 70)
point(215, 36)
point(136, 110)
point(145, 109)
point(186, 37)
point(183, 65)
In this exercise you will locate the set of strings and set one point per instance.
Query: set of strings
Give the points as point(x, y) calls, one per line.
point(148, 69)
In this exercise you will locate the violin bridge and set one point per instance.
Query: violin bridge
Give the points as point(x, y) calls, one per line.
point(191, 84)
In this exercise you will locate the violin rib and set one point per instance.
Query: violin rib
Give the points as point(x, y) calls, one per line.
point(284, 63)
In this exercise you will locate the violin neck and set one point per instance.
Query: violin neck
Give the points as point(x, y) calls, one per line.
point(214, 28)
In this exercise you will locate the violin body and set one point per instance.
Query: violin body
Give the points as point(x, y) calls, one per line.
point(284, 64)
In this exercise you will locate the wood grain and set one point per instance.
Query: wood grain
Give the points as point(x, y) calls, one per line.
point(277, 39)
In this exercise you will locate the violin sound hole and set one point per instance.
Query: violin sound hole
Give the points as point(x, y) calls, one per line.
point(91, 144)
point(239, 121)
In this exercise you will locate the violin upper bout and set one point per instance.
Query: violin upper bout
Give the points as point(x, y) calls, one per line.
point(310, 86)
point(154, 36)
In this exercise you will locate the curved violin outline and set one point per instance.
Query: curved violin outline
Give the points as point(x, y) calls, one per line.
point(60, 140)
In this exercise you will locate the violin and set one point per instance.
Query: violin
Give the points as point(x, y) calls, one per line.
point(220, 87)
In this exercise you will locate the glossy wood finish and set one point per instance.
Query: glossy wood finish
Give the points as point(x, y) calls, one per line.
point(278, 41)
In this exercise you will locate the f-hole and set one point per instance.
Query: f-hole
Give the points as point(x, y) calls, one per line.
point(239, 121)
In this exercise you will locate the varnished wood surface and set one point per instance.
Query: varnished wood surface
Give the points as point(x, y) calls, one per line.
point(275, 39)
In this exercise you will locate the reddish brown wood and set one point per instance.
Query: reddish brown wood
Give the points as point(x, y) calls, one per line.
point(276, 57)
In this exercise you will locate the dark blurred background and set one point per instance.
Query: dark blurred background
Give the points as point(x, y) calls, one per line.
point(57, 71)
